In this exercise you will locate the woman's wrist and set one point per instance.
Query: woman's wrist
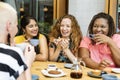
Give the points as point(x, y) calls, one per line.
point(65, 49)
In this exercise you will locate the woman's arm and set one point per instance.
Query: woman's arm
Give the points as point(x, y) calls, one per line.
point(69, 54)
point(115, 52)
point(85, 55)
point(43, 55)
point(65, 46)
point(100, 38)
point(25, 75)
point(54, 53)
point(29, 57)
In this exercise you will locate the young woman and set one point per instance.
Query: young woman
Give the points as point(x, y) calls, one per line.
point(101, 49)
point(31, 31)
point(65, 37)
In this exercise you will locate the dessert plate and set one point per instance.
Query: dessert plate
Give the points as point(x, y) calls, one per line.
point(116, 70)
point(95, 76)
point(92, 75)
point(46, 73)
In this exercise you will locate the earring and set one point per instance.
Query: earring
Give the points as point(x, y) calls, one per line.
point(8, 38)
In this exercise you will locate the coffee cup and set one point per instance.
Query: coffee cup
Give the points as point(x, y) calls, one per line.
point(91, 36)
point(22, 46)
point(34, 42)
point(109, 77)
point(52, 66)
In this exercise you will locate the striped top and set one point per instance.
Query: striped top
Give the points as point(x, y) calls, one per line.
point(11, 62)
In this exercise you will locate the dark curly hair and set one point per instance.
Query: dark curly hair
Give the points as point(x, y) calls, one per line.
point(112, 28)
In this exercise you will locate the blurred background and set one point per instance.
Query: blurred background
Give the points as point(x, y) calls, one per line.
point(48, 11)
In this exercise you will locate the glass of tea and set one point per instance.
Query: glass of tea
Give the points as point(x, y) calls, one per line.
point(76, 69)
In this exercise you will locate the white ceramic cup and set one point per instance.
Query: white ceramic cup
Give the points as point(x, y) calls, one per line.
point(22, 46)
point(52, 66)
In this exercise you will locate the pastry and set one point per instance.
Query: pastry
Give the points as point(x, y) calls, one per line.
point(54, 72)
point(96, 72)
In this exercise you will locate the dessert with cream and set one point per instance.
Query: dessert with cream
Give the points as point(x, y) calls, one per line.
point(96, 72)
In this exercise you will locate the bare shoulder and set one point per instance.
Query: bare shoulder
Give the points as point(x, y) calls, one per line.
point(42, 37)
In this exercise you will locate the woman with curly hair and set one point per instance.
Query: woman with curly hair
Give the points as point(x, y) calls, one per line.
point(65, 38)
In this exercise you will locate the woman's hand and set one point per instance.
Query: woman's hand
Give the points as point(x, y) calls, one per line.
point(64, 43)
point(57, 41)
point(30, 54)
point(101, 38)
point(103, 64)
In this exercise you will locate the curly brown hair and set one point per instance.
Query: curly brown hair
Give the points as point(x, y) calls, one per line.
point(76, 34)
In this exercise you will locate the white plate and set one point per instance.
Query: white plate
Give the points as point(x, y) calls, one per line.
point(45, 73)
point(68, 65)
point(116, 70)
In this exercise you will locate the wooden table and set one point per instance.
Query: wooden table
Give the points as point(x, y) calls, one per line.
point(38, 66)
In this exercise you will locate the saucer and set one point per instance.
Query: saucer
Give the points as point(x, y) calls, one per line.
point(95, 76)
point(68, 65)
point(92, 75)
point(46, 73)
point(109, 77)
point(116, 70)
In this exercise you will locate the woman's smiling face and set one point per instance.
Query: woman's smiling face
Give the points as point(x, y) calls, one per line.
point(31, 29)
point(65, 27)
point(100, 26)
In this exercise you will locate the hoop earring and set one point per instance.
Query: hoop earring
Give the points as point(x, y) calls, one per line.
point(8, 38)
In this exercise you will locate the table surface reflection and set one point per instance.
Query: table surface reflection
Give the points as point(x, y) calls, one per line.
point(37, 66)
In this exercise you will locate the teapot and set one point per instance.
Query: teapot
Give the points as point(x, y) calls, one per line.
point(77, 68)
